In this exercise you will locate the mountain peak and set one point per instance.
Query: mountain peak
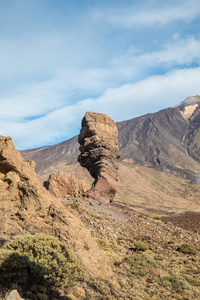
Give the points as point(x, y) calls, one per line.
point(189, 101)
point(188, 106)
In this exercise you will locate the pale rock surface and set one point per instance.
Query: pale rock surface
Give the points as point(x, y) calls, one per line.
point(60, 184)
point(98, 140)
point(14, 295)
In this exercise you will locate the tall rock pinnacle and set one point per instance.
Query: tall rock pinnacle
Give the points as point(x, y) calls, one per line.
point(98, 141)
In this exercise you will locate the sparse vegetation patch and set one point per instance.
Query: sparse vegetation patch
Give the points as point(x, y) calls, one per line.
point(58, 264)
point(139, 264)
point(187, 249)
point(141, 246)
point(176, 283)
point(17, 269)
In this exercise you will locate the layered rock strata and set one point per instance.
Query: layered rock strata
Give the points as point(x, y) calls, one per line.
point(98, 141)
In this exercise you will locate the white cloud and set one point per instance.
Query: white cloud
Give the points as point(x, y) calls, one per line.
point(148, 15)
point(149, 95)
point(177, 53)
point(35, 99)
point(122, 103)
point(64, 86)
point(30, 100)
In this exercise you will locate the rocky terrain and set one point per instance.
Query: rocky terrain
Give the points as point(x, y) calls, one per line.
point(144, 253)
point(26, 207)
point(157, 270)
point(143, 245)
point(124, 254)
point(98, 140)
point(145, 190)
point(166, 141)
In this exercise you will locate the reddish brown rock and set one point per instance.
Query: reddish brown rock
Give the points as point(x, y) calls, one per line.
point(61, 184)
point(98, 140)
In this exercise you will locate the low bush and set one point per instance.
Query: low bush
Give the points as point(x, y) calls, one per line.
point(187, 249)
point(139, 264)
point(58, 264)
point(141, 246)
point(18, 269)
point(140, 260)
point(103, 244)
point(176, 283)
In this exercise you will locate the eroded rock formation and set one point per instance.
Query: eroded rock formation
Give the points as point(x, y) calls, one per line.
point(27, 207)
point(61, 184)
point(98, 140)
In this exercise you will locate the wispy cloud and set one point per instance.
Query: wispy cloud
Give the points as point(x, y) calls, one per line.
point(65, 86)
point(150, 15)
point(179, 52)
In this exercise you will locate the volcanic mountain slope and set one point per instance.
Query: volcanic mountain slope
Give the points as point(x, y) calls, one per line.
point(47, 157)
point(168, 140)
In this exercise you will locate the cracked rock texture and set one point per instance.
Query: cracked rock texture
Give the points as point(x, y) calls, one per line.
point(98, 141)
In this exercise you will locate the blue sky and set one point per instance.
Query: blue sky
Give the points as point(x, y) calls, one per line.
point(61, 58)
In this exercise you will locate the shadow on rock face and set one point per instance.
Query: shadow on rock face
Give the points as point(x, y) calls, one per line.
point(98, 141)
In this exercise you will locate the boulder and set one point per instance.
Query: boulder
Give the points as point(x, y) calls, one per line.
point(61, 184)
point(98, 141)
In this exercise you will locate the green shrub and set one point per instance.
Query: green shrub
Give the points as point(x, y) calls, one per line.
point(74, 205)
point(58, 263)
point(140, 260)
point(103, 244)
point(139, 264)
point(176, 283)
point(141, 271)
point(187, 249)
point(18, 269)
point(141, 246)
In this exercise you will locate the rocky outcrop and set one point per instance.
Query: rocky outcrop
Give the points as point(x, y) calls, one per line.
point(61, 184)
point(98, 140)
point(18, 180)
point(27, 207)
